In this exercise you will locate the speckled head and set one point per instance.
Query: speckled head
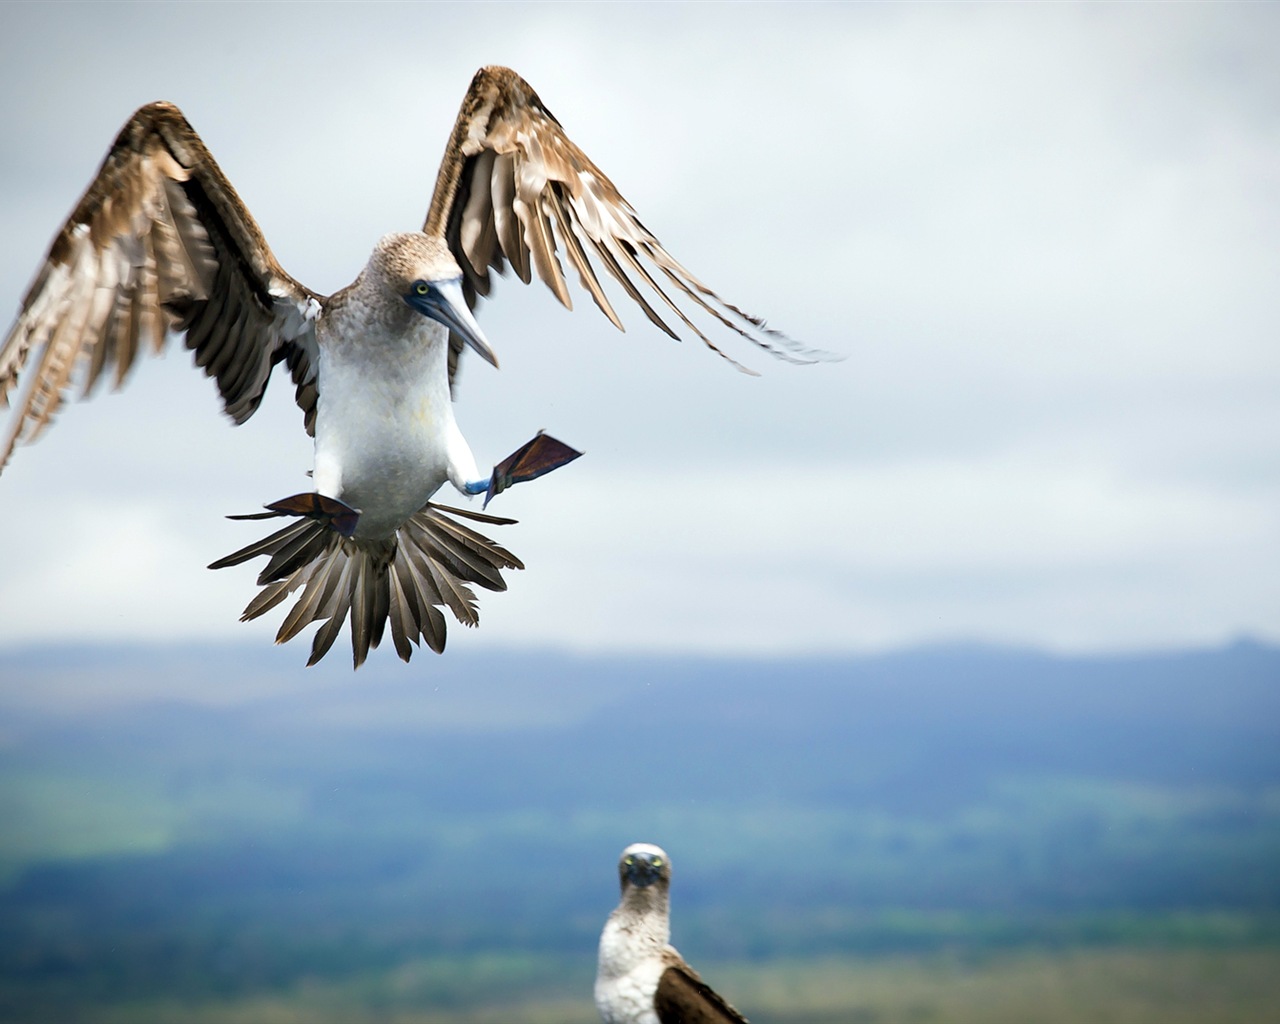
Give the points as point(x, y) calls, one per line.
point(421, 271)
point(643, 865)
point(403, 257)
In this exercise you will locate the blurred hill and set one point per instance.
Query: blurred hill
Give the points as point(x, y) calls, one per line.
point(214, 820)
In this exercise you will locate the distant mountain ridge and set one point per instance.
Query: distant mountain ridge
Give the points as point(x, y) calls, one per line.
point(170, 808)
point(709, 725)
point(889, 730)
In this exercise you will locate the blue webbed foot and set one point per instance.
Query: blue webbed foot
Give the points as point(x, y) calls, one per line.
point(528, 462)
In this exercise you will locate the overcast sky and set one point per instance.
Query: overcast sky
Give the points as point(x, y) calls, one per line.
point(1044, 235)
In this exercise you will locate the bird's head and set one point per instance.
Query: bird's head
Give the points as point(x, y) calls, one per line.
point(422, 271)
point(643, 865)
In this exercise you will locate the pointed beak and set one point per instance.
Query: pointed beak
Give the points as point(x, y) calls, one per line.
point(445, 304)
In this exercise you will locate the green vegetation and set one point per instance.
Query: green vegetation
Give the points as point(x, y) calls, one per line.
point(955, 837)
point(1113, 986)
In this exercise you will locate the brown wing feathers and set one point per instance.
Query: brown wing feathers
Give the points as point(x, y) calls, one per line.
point(684, 998)
point(512, 183)
point(159, 240)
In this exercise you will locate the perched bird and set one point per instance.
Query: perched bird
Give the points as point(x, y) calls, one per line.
point(640, 978)
point(160, 243)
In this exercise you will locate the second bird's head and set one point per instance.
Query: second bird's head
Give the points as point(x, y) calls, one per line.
point(643, 865)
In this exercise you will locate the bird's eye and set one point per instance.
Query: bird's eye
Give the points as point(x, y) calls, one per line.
point(421, 287)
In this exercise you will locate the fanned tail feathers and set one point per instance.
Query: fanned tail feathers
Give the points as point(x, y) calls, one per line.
point(404, 580)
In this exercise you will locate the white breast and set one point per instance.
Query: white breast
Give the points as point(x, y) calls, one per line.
point(386, 438)
point(627, 976)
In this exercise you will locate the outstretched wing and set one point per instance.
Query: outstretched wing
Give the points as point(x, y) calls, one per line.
point(512, 182)
point(160, 241)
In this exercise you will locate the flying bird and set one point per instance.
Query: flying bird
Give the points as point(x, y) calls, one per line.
point(640, 978)
point(161, 244)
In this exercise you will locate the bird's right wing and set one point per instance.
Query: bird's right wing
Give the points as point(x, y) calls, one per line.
point(512, 182)
point(159, 241)
point(684, 997)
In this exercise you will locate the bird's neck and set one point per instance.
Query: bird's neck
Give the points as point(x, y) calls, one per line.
point(366, 311)
point(639, 929)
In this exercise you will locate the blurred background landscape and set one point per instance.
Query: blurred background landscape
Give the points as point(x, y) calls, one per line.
point(945, 834)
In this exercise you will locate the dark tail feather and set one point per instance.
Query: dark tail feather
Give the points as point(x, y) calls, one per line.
point(403, 581)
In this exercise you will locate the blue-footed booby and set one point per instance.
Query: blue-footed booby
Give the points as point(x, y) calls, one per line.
point(640, 978)
point(161, 244)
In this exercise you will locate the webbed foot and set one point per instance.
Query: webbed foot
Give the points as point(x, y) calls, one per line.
point(528, 462)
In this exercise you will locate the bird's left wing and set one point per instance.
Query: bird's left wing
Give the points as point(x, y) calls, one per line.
point(159, 241)
point(512, 182)
point(684, 997)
